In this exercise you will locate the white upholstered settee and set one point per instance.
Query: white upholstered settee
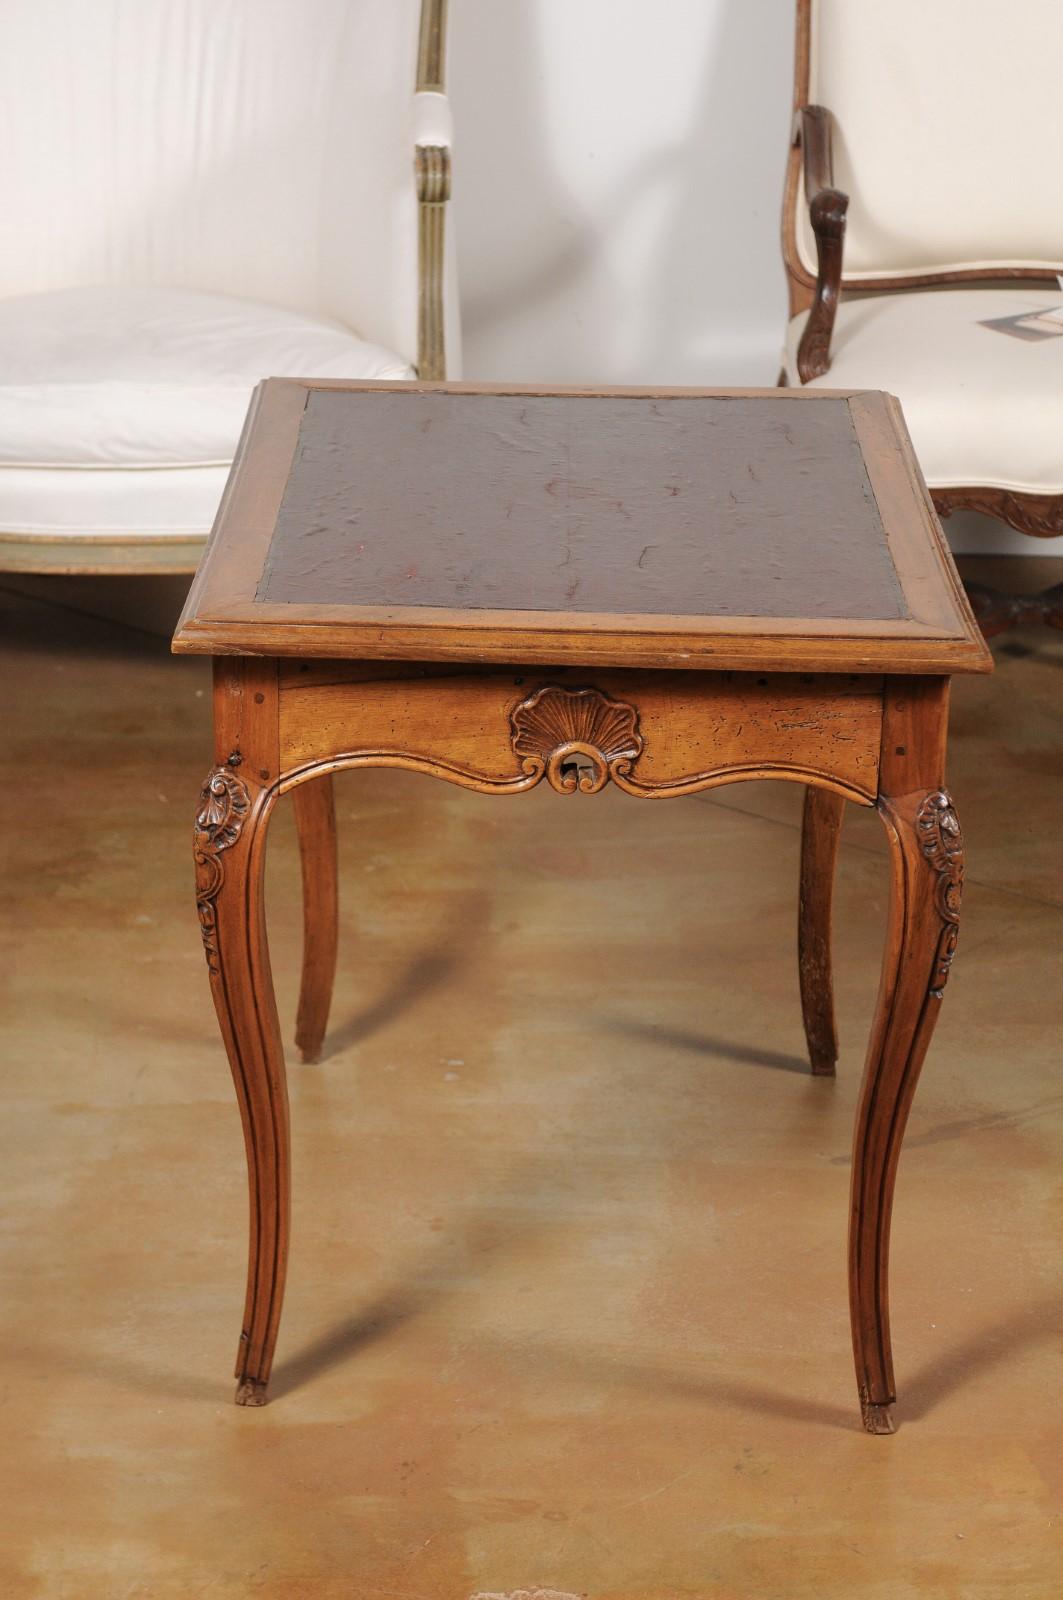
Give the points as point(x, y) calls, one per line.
point(924, 201)
point(197, 194)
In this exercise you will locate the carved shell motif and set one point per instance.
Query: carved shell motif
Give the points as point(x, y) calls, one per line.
point(941, 839)
point(577, 737)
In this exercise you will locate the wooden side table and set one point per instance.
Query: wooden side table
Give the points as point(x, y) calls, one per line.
point(664, 590)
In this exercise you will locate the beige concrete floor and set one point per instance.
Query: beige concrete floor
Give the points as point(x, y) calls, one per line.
point(567, 1306)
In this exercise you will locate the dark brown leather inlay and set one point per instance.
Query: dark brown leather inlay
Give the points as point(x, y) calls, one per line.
point(681, 505)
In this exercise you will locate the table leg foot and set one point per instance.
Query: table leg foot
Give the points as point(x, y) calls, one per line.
point(251, 1392)
point(877, 1419)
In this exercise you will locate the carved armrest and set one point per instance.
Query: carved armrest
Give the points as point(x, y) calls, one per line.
point(433, 137)
point(827, 207)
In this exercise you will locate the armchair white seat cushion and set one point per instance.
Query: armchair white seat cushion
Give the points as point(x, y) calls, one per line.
point(121, 407)
point(982, 407)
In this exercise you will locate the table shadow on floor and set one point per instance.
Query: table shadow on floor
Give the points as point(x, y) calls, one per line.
point(705, 1044)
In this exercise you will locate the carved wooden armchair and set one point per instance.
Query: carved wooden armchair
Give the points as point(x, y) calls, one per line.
point(924, 199)
point(196, 196)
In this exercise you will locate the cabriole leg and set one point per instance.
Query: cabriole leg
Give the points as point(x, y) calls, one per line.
point(229, 851)
point(230, 841)
point(926, 857)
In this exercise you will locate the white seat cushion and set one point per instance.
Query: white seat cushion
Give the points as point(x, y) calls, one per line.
point(120, 408)
point(983, 408)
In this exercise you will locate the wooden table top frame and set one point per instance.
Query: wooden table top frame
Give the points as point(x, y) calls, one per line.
point(404, 639)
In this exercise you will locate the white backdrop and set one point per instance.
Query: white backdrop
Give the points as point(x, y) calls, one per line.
point(619, 169)
point(618, 181)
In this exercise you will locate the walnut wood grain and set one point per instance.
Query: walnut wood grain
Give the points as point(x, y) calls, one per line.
point(692, 731)
point(926, 852)
point(921, 932)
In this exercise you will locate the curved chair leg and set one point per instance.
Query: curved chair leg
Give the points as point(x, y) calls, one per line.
point(230, 841)
point(926, 848)
point(820, 832)
point(315, 819)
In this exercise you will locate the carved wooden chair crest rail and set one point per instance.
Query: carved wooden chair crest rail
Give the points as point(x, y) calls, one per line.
point(257, 192)
point(665, 590)
point(919, 233)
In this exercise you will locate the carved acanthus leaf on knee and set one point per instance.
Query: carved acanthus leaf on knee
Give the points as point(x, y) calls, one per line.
point(941, 841)
point(224, 803)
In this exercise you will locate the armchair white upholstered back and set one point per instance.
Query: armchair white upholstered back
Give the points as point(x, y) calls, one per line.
point(948, 133)
point(260, 148)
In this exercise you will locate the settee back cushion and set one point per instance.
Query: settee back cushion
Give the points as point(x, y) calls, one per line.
point(261, 148)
